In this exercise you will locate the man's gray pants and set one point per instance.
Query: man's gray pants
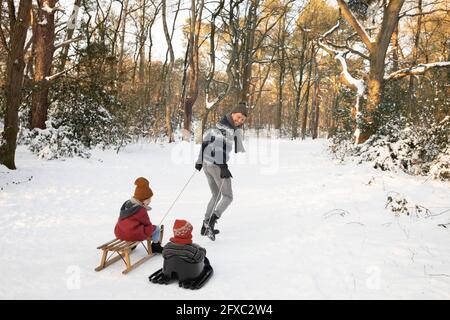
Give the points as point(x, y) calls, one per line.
point(212, 173)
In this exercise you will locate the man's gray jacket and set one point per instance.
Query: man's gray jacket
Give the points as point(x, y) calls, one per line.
point(218, 142)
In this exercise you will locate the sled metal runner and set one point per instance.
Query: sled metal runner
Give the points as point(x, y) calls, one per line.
point(117, 249)
point(189, 275)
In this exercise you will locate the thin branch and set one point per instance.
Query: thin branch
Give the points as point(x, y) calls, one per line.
point(348, 48)
point(422, 13)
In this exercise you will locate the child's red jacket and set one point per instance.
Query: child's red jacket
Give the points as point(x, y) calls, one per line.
point(134, 223)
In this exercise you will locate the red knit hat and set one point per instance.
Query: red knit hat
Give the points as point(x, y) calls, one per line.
point(182, 231)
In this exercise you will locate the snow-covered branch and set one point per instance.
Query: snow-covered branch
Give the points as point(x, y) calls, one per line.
point(416, 70)
point(209, 105)
point(57, 75)
point(351, 82)
point(67, 42)
point(346, 78)
point(354, 23)
point(333, 29)
point(49, 10)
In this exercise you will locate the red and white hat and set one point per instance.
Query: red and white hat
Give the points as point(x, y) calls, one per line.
point(182, 231)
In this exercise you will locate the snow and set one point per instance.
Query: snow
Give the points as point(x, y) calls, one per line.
point(301, 226)
point(49, 10)
point(46, 8)
point(44, 22)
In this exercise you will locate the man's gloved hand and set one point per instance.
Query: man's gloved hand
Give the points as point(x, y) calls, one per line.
point(198, 166)
point(224, 172)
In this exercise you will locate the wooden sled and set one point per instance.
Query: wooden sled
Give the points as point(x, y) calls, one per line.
point(117, 249)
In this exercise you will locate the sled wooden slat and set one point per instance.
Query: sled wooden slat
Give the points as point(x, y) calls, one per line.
point(112, 242)
point(126, 245)
point(117, 249)
point(121, 245)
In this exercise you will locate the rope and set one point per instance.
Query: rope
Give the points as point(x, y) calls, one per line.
point(176, 199)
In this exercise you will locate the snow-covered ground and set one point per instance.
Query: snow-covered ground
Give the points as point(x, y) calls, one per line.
point(301, 226)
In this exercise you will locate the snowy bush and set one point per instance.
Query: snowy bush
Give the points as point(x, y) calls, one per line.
point(401, 145)
point(53, 143)
point(87, 111)
point(440, 167)
point(341, 145)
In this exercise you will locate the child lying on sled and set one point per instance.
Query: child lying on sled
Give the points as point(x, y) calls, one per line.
point(134, 223)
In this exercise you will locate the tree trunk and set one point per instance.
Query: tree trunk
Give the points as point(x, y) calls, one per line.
point(415, 53)
point(14, 81)
point(44, 47)
point(299, 89)
point(395, 49)
point(122, 45)
point(247, 59)
point(142, 39)
point(334, 105)
point(212, 56)
point(374, 92)
point(305, 110)
point(166, 89)
point(282, 39)
point(194, 67)
point(315, 106)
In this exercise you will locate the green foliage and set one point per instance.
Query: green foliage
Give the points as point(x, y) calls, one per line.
point(88, 110)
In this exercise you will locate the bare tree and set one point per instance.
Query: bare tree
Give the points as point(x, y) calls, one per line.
point(166, 89)
point(315, 101)
point(194, 64)
point(308, 86)
point(210, 77)
point(298, 84)
point(124, 16)
point(248, 50)
point(414, 57)
point(18, 27)
point(282, 67)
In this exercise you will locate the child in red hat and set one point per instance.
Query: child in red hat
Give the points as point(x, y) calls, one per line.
point(134, 223)
point(181, 244)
